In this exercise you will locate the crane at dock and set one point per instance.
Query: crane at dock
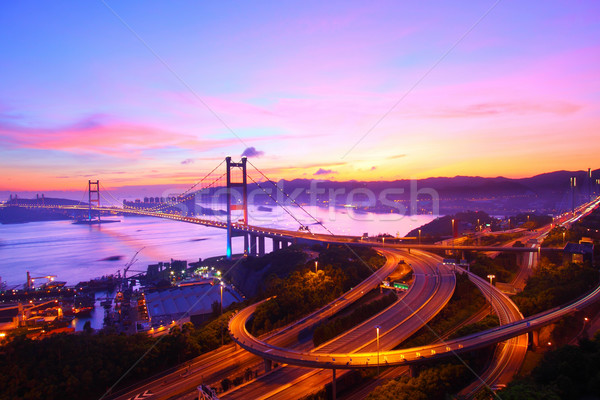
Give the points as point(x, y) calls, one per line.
point(30, 279)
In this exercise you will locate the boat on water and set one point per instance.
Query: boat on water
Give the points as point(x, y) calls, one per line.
point(53, 285)
point(83, 305)
point(106, 303)
point(86, 221)
point(105, 283)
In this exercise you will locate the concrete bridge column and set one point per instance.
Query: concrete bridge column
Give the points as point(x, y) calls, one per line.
point(268, 365)
point(261, 246)
point(535, 338)
point(413, 370)
point(276, 244)
point(333, 388)
point(284, 244)
point(522, 259)
point(251, 250)
point(246, 244)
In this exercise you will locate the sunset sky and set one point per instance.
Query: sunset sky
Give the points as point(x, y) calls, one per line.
point(137, 93)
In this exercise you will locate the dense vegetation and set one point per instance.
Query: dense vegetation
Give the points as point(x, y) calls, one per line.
point(305, 290)
point(569, 372)
point(553, 285)
point(432, 384)
point(559, 235)
point(333, 328)
point(442, 226)
point(492, 240)
point(250, 274)
point(489, 322)
point(585, 227)
point(465, 301)
point(530, 220)
point(86, 365)
point(504, 266)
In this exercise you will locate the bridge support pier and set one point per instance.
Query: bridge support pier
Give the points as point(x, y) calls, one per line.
point(522, 259)
point(276, 244)
point(261, 246)
point(413, 370)
point(333, 388)
point(251, 248)
point(268, 365)
point(535, 338)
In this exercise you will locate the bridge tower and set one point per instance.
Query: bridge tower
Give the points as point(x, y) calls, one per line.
point(235, 183)
point(93, 197)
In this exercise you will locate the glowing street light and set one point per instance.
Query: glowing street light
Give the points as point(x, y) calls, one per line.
point(316, 266)
point(377, 329)
point(491, 276)
point(221, 286)
point(419, 236)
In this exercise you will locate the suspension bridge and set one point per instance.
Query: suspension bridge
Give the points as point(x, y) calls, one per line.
point(228, 189)
point(226, 185)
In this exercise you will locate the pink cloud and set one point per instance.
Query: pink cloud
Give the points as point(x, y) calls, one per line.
point(98, 134)
point(499, 108)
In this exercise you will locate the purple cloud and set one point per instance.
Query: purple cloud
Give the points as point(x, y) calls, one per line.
point(252, 152)
point(187, 161)
point(322, 171)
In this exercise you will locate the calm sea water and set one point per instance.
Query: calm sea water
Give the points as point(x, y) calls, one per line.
point(80, 252)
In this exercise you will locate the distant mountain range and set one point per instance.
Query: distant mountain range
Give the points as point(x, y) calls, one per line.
point(544, 193)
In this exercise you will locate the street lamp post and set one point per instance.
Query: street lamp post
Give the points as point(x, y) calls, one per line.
point(377, 328)
point(383, 241)
point(419, 236)
point(491, 276)
point(452, 227)
point(316, 266)
point(221, 286)
point(564, 234)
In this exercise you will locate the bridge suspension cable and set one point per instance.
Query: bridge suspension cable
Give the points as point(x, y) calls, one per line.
point(288, 196)
point(186, 194)
point(104, 190)
point(181, 199)
point(275, 200)
point(85, 192)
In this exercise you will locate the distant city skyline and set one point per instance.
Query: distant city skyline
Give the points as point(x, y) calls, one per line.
point(161, 93)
